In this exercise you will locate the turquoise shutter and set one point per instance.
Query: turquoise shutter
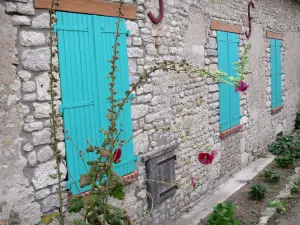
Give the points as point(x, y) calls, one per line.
point(229, 99)
point(278, 73)
point(85, 46)
point(106, 37)
point(274, 79)
point(224, 89)
point(235, 114)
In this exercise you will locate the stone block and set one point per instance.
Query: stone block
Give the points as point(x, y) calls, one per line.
point(41, 177)
point(44, 154)
point(42, 110)
point(29, 97)
point(25, 8)
point(10, 7)
point(36, 60)
point(50, 203)
point(29, 127)
point(28, 147)
point(43, 83)
point(41, 137)
point(211, 52)
point(137, 41)
point(28, 86)
point(141, 143)
point(42, 193)
point(24, 75)
point(31, 156)
point(41, 22)
point(135, 52)
point(20, 20)
point(139, 111)
point(31, 38)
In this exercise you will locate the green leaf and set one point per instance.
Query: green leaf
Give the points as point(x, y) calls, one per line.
point(118, 193)
point(116, 221)
point(47, 219)
point(79, 222)
point(76, 204)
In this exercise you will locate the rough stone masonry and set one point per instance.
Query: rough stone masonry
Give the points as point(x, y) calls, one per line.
point(182, 101)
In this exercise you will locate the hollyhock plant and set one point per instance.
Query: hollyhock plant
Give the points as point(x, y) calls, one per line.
point(117, 156)
point(241, 87)
point(206, 158)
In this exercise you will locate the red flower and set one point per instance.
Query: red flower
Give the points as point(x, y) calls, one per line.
point(193, 182)
point(117, 156)
point(242, 86)
point(206, 158)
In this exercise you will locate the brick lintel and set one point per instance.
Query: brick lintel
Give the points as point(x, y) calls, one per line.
point(276, 110)
point(218, 25)
point(230, 131)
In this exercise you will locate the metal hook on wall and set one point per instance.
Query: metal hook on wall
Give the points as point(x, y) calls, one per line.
point(160, 16)
point(251, 4)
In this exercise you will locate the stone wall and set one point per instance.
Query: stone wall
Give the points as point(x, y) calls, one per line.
point(182, 101)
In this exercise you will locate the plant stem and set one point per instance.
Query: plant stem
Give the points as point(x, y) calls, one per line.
point(113, 118)
point(53, 118)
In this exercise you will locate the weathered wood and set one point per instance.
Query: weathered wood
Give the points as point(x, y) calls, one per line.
point(95, 7)
point(274, 35)
point(218, 25)
point(161, 169)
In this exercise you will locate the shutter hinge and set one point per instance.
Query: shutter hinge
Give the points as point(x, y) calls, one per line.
point(61, 109)
point(136, 158)
point(128, 34)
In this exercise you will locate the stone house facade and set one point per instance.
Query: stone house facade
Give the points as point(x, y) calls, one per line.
point(182, 101)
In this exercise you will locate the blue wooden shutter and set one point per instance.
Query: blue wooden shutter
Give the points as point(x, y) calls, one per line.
point(224, 89)
point(85, 46)
point(235, 114)
point(229, 99)
point(274, 79)
point(106, 37)
point(278, 73)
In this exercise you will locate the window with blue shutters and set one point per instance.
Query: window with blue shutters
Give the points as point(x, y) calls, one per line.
point(276, 72)
point(229, 99)
point(85, 47)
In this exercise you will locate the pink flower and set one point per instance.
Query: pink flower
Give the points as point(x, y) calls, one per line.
point(117, 156)
point(242, 86)
point(206, 158)
point(193, 182)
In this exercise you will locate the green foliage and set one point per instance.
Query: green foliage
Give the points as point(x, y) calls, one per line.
point(223, 214)
point(285, 161)
point(257, 192)
point(297, 122)
point(271, 176)
point(286, 146)
point(295, 185)
point(47, 219)
point(278, 205)
point(76, 204)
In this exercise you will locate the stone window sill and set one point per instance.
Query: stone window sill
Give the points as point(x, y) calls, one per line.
point(230, 131)
point(127, 179)
point(276, 110)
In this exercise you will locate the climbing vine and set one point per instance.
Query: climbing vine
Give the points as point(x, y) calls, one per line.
point(100, 177)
